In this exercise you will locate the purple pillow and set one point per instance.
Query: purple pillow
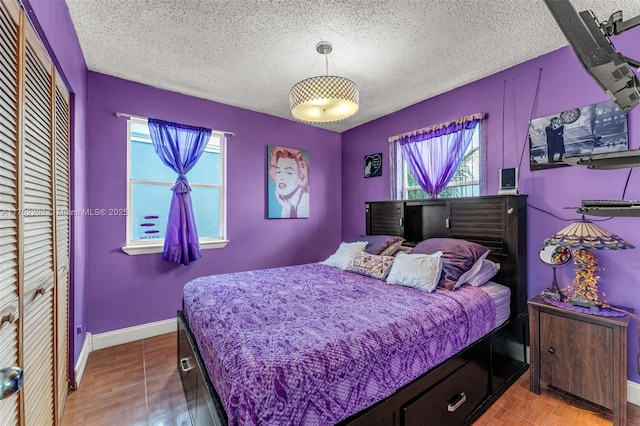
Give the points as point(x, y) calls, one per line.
point(458, 256)
point(380, 244)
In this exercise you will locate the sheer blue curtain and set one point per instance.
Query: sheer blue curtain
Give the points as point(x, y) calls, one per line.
point(180, 147)
point(434, 154)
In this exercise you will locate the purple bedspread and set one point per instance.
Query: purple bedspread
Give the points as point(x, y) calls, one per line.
point(312, 345)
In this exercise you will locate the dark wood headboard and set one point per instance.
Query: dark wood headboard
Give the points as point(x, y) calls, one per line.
point(495, 221)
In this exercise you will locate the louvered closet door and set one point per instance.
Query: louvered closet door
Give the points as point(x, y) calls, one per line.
point(61, 219)
point(39, 274)
point(9, 303)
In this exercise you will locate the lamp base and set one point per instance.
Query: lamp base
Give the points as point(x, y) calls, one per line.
point(553, 294)
point(581, 301)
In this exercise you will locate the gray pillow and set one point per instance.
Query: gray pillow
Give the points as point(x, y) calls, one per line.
point(458, 256)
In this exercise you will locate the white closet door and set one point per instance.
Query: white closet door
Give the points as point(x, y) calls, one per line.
point(38, 237)
point(9, 170)
point(61, 219)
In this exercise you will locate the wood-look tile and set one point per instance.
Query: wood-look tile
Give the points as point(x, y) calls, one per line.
point(126, 406)
point(500, 416)
point(532, 407)
point(160, 355)
point(571, 412)
point(175, 418)
point(110, 376)
point(126, 353)
point(165, 396)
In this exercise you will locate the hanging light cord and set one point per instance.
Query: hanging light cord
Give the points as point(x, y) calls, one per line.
point(533, 109)
point(626, 183)
point(326, 64)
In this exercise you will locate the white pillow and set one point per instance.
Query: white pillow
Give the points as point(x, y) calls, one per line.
point(475, 270)
point(421, 271)
point(345, 254)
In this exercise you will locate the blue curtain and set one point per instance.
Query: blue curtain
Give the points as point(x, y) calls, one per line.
point(180, 147)
point(433, 156)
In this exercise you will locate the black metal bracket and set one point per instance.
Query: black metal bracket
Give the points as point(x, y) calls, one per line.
point(615, 25)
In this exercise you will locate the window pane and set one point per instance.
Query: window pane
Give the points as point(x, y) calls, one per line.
point(206, 210)
point(416, 194)
point(206, 170)
point(411, 181)
point(146, 165)
point(461, 191)
point(150, 200)
point(465, 181)
point(149, 211)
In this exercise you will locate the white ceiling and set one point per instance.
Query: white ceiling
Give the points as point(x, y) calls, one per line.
point(249, 53)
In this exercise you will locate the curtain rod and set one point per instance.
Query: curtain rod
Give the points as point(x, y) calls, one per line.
point(478, 116)
point(137, 117)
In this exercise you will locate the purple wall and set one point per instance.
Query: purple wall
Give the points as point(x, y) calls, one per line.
point(564, 85)
point(128, 290)
point(113, 290)
point(53, 23)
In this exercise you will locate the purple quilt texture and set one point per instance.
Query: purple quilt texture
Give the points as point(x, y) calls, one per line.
point(313, 345)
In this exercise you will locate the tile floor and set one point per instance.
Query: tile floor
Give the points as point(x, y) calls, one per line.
point(132, 384)
point(137, 384)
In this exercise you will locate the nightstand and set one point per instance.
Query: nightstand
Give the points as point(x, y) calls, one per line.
point(584, 355)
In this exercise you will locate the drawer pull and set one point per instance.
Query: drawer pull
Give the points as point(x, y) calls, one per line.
point(39, 291)
point(551, 350)
point(185, 365)
point(456, 402)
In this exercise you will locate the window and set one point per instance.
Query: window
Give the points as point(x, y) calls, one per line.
point(465, 182)
point(149, 193)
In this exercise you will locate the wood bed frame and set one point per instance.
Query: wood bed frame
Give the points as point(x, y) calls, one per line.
point(460, 389)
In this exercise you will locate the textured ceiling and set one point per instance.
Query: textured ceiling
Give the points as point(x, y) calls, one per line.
point(249, 53)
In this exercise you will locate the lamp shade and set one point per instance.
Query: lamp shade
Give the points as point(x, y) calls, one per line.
point(587, 235)
point(324, 99)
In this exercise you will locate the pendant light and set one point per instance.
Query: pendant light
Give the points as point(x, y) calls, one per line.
point(326, 98)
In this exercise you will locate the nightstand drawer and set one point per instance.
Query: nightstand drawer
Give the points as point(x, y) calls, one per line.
point(451, 401)
point(580, 353)
point(564, 343)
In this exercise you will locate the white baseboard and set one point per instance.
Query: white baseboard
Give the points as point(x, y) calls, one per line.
point(131, 334)
point(633, 392)
point(82, 359)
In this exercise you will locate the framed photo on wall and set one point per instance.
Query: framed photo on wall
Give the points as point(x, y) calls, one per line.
point(373, 165)
point(287, 183)
point(593, 129)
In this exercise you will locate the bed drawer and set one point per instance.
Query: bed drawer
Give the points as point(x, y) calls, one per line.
point(200, 402)
point(188, 371)
point(451, 401)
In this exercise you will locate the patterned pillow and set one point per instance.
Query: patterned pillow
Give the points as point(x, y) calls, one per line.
point(381, 244)
point(488, 270)
point(392, 249)
point(458, 256)
point(345, 253)
point(471, 273)
point(371, 265)
point(403, 249)
point(421, 271)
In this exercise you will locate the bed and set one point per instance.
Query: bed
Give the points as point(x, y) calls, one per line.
point(332, 353)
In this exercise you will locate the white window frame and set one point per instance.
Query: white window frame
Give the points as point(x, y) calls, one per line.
point(135, 247)
point(405, 184)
